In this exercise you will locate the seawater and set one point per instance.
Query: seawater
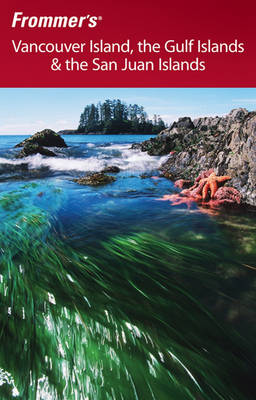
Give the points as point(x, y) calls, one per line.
point(109, 293)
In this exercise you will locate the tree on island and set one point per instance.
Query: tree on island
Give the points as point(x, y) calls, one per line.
point(114, 116)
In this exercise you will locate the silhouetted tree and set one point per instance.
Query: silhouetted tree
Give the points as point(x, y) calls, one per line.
point(114, 116)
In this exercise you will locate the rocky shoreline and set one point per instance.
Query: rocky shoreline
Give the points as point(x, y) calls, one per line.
point(225, 144)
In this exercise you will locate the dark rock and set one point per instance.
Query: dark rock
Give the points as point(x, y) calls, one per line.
point(30, 149)
point(136, 146)
point(47, 138)
point(183, 125)
point(172, 140)
point(95, 179)
point(167, 175)
point(157, 146)
point(111, 168)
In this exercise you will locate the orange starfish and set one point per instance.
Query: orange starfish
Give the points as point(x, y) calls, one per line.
point(211, 183)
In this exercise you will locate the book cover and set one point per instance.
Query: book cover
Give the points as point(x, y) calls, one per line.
point(127, 200)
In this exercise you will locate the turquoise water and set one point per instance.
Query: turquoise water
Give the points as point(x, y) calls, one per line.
point(109, 293)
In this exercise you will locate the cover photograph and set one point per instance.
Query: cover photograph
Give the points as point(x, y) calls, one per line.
point(127, 200)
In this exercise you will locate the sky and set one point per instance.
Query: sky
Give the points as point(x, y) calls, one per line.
point(26, 111)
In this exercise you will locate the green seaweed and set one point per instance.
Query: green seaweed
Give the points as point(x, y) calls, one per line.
point(72, 338)
point(126, 318)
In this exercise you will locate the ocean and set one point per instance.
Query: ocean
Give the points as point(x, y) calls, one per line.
point(109, 293)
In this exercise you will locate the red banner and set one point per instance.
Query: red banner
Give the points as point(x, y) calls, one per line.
point(128, 44)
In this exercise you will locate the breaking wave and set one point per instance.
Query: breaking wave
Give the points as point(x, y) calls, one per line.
point(127, 159)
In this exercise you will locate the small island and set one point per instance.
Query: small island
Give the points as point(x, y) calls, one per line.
point(116, 117)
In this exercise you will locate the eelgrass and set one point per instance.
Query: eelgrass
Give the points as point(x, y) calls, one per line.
point(125, 319)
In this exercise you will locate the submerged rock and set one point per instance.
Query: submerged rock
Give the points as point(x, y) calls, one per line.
point(111, 168)
point(33, 148)
point(98, 178)
point(46, 137)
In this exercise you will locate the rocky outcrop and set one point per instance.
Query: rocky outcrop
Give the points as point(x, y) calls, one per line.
point(46, 137)
point(183, 126)
point(226, 144)
point(111, 168)
point(157, 146)
point(31, 149)
point(95, 179)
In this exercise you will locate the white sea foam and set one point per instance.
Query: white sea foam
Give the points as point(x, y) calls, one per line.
point(117, 146)
point(138, 161)
point(66, 164)
point(133, 160)
point(6, 161)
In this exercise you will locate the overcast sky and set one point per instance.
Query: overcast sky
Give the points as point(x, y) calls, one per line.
point(26, 111)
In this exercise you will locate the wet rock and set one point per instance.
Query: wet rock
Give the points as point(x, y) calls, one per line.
point(136, 146)
point(225, 144)
point(95, 179)
point(31, 149)
point(159, 146)
point(46, 137)
point(111, 168)
point(167, 175)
